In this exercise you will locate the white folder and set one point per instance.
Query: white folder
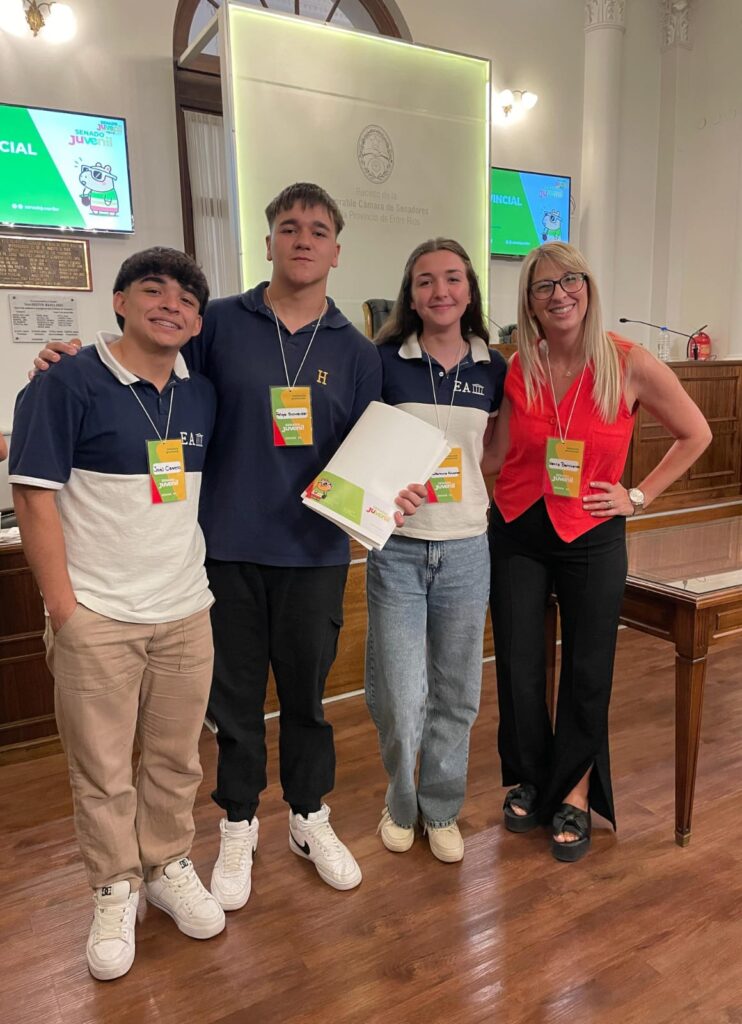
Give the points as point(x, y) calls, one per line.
point(386, 450)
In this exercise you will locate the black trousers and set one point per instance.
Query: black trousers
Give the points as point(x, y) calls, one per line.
point(288, 619)
point(588, 575)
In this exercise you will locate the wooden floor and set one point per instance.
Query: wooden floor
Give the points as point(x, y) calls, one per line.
point(641, 932)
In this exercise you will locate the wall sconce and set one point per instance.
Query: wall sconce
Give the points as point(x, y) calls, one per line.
point(511, 104)
point(55, 21)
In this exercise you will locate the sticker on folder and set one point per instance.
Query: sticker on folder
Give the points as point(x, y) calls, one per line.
point(166, 471)
point(291, 412)
point(337, 494)
point(564, 466)
point(445, 483)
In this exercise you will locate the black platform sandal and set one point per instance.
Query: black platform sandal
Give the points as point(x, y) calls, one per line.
point(524, 796)
point(576, 822)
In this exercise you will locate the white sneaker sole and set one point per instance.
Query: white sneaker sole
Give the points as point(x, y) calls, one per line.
point(193, 931)
point(337, 883)
point(230, 901)
point(399, 845)
point(447, 856)
point(113, 971)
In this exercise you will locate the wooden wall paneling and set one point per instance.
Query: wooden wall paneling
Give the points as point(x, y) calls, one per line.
point(26, 686)
point(716, 387)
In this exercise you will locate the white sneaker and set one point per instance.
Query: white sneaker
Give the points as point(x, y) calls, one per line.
point(395, 837)
point(182, 895)
point(313, 837)
point(110, 948)
point(446, 843)
point(231, 879)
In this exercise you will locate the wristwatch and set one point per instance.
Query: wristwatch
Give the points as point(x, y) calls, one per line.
point(636, 497)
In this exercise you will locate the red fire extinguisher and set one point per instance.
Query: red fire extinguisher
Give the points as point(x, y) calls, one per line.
point(699, 345)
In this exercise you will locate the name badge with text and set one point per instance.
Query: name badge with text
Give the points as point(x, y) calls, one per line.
point(166, 471)
point(446, 483)
point(564, 461)
point(291, 411)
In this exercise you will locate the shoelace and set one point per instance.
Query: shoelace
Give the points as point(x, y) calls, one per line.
point(111, 922)
point(322, 832)
point(234, 852)
point(189, 888)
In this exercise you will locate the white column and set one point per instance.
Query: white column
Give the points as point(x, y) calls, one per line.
point(666, 266)
point(605, 22)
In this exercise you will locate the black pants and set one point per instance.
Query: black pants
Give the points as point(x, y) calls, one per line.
point(588, 575)
point(288, 618)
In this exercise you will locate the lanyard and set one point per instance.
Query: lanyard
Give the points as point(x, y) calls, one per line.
point(563, 436)
point(169, 414)
point(432, 385)
point(280, 341)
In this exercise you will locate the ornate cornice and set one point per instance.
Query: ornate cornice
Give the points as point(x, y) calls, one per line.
point(675, 16)
point(605, 14)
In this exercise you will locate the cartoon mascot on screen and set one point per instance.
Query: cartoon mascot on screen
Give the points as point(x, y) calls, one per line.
point(552, 225)
point(99, 190)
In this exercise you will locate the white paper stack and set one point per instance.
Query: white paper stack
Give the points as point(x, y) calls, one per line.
point(385, 451)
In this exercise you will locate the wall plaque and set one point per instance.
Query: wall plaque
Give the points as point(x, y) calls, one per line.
point(38, 320)
point(61, 264)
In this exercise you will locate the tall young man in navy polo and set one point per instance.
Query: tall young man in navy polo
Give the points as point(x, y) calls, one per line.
point(106, 467)
point(278, 570)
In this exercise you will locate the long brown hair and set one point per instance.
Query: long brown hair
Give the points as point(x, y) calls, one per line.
point(404, 320)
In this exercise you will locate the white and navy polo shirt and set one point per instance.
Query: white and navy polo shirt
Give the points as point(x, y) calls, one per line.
point(80, 431)
point(406, 383)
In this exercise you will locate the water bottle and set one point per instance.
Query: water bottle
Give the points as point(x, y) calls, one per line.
point(663, 345)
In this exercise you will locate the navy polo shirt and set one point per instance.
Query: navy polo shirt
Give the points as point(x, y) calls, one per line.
point(465, 403)
point(251, 508)
point(80, 431)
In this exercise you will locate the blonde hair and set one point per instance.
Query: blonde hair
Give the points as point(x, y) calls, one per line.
point(600, 351)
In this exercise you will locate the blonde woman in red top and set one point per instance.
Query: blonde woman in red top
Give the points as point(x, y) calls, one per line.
point(558, 524)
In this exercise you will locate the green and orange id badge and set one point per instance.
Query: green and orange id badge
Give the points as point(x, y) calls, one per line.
point(291, 412)
point(564, 461)
point(446, 483)
point(166, 471)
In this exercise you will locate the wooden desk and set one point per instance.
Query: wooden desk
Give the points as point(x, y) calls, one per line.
point(26, 687)
point(684, 585)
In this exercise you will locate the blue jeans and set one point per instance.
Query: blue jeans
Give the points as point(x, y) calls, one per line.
point(427, 602)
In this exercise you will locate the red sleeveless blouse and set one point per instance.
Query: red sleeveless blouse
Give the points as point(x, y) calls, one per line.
point(523, 479)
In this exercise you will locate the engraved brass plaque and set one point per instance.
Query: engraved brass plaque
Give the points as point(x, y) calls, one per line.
point(54, 264)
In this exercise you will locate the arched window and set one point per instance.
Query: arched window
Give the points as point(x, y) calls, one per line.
point(199, 102)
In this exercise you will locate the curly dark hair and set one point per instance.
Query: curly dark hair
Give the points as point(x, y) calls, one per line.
point(307, 194)
point(161, 260)
point(404, 320)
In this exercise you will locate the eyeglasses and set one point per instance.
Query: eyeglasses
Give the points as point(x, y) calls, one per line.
point(570, 283)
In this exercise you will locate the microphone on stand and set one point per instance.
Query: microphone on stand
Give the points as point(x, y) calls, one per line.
point(664, 327)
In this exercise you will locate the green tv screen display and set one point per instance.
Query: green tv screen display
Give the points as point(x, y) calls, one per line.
point(64, 170)
point(527, 209)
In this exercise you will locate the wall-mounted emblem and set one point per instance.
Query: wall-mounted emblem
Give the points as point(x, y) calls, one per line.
point(375, 154)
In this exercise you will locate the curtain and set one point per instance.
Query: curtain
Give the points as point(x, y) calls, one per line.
point(216, 249)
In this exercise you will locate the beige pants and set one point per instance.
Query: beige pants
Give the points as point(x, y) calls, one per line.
point(114, 682)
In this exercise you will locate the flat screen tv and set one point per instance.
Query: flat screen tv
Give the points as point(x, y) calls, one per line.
point(527, 209)
point(60, 169)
